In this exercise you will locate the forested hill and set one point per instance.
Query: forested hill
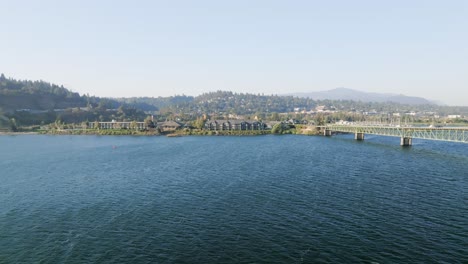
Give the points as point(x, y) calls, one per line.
point(155, 103)
point(39, 102)
point(226, 102)
point(220, 102)
point(37, 95)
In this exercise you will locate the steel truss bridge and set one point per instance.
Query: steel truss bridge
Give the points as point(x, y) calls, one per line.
point(453, 134)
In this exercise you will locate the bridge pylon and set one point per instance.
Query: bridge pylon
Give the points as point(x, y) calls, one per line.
point(406, 141)
point(359, 136)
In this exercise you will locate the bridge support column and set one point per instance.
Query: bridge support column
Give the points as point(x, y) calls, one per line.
point(406, 141)
point(327, 132)
point(359, 136)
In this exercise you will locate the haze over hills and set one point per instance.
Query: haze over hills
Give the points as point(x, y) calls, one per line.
point(26, 103)
point(355, 95)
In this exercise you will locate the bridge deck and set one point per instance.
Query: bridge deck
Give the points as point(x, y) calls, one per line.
point(454, 134)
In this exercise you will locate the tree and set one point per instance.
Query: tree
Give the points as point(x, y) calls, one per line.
point(84, 125)
point(134, 125)
point(58, 123)
point(102, 105)
point(13, 125)
point(121, 110)
point(149, 122)
point(199, 123)
point(277, 129)
point(259, 115)
point(274, 116)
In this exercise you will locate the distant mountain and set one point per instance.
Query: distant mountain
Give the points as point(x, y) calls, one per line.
point(355, 95)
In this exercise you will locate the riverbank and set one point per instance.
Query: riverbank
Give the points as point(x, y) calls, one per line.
point(100, 132)
point(18, 133)
point(126, 132)
point(183, 132)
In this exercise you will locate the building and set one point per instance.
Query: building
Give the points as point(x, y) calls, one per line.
point(118, 125)
point(169, 126)
point(234, 125)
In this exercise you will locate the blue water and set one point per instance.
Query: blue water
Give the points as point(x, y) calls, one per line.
point(265, 199)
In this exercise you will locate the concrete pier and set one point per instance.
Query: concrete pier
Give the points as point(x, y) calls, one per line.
point(406, 141)
point(327, 132)
point(359, 136)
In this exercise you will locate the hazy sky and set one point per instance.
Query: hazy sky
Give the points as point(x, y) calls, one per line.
point(161, 48)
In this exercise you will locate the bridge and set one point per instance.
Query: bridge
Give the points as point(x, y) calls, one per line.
point(407, 133)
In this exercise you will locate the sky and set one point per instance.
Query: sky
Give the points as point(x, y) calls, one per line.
point(162, 48)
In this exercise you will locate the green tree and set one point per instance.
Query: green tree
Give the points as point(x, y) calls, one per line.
point(199, 123)
point(149, 122)
point(277, 129)
point(134, 125)
point(84, 125)
point(58, 124)
point(13, 125)
point(274, 116)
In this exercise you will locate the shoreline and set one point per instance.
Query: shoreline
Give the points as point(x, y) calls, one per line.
point(168, 134)
point(18, 133)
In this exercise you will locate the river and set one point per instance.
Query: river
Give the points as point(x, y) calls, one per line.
point(263, 199)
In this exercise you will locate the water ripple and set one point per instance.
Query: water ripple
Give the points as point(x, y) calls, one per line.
point(265, 199)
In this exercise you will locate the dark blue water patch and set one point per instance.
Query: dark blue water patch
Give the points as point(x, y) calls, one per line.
point(269, 199)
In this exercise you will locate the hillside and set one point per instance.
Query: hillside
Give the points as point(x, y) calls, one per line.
point(355, 95)
point(5, 124)
point(225, 102)
point(222, 103)
point(39, 102)
point(27, 103)
point(155, 103)
point(36, 95)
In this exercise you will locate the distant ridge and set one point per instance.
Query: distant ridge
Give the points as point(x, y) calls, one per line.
point(355, 95)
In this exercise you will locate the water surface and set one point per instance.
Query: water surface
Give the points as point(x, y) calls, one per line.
point(266, 199)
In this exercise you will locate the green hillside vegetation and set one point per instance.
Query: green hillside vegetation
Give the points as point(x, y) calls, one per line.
point(38, 102)
point(34, 103)
point(223, 103)
point(37, 95)
point(155, 103)
point(5, 123)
